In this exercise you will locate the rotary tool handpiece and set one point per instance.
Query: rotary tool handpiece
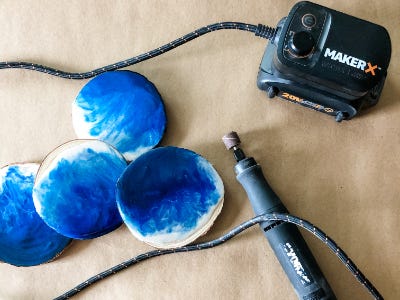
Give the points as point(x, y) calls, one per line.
point(285, 239)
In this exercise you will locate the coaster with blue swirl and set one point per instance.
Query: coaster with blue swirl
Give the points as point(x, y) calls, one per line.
point(74, 191)
point(122, 108)
point(25, 240)
point(169, 196)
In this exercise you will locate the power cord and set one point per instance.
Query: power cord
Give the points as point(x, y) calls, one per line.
point(259, 30)
point(235, 231)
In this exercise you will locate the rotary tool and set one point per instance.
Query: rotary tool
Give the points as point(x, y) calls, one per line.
point(285, 239)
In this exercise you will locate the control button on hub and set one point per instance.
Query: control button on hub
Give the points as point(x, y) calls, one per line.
point(308, 20)
point(301, 44)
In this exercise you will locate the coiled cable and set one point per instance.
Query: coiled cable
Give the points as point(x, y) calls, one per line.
point(259, 30)
point(350, 265)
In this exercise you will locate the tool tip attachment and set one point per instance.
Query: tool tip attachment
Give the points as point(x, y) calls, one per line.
point(231, 140)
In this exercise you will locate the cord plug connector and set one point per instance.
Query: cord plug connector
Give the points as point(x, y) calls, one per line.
point(265, 32)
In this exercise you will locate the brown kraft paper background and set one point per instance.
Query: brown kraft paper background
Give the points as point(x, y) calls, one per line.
point(342, 177)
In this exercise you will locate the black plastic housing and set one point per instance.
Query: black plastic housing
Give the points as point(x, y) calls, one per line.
point(342, 71)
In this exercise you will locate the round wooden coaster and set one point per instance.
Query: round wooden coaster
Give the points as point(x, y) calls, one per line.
point(122, 108)
point(169, 196)
point(25, 240)
point(74, 191)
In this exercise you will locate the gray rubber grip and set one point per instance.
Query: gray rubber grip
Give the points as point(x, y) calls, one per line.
point(285, 239)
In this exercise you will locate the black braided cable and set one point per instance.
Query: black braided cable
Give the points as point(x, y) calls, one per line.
point(235, 231)
point(260, 30)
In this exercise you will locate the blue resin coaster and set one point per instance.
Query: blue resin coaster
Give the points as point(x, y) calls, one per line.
point(122, 108)
point(25, 240)
point(169, 196)
point(74, 191)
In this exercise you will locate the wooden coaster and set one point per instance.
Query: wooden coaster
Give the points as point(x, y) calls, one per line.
point(74, 191)
point(122, 108)
point(25, 240)
point(169, 196)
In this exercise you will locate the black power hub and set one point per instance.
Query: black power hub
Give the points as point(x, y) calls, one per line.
point(326, 60)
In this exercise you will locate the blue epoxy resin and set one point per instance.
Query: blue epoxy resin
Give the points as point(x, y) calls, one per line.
point(25, 240)
point(169, 196)
point(74, 191)
point(122, 108)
